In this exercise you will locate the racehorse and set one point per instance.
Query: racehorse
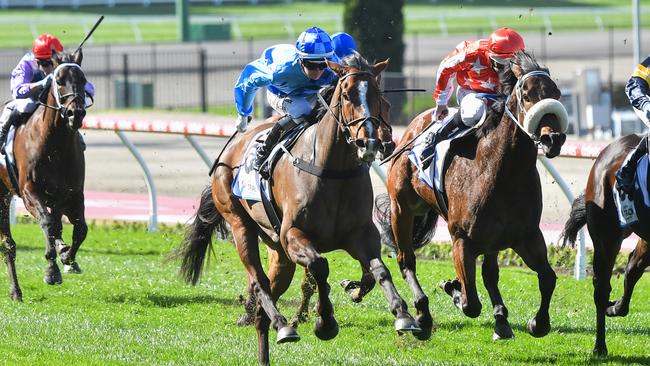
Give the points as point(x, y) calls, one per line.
point(595, 207)
point(50, 171)
point(494, 196)
point(322, 207)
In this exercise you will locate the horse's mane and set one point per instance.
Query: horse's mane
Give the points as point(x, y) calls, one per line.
point(507, 80)
point(354, 60)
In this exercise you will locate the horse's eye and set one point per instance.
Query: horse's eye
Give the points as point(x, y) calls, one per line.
point(346, 96)
point(526, 99)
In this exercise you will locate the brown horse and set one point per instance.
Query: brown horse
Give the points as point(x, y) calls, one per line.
point(494, 197)
point(51, 169)
point(319, 212)
point(596, 208)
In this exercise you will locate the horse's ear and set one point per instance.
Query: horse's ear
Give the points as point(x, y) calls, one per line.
point(77, 56)
point(56, 59)
point(380, 66)
point(337, 68)
point(517, 70)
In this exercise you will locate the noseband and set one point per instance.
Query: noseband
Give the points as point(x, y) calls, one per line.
point(520, 105)
point(343, 122)
point(63, 108)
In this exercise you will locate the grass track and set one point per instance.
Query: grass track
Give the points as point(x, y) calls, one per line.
point(130, 309)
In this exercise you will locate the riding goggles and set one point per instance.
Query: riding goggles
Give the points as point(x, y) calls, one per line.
point(314, 64)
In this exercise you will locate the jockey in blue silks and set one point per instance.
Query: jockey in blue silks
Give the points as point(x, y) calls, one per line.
point(344, 44)
point(293, 76)
point(32, 74)
point(637, 91)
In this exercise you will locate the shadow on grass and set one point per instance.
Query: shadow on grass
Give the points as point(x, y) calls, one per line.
point(169, 301)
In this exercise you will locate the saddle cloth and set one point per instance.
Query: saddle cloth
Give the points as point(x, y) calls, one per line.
point(628, 209)
point(433, 175)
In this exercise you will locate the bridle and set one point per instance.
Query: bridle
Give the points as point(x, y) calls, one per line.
point(520, 105)
point(343, 122)
point(63, 108)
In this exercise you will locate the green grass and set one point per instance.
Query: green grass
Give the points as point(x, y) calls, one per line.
point(128, 308)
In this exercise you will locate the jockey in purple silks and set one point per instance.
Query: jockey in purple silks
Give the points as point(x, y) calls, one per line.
point(32, 75)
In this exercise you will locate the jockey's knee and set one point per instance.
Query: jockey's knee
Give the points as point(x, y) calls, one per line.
point(472, 109)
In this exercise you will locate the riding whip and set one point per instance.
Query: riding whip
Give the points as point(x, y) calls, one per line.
point(90, 33)
point(216, 161)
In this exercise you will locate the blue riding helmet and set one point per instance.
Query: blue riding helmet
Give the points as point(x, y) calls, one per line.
point(344, 44)
point(314, 43)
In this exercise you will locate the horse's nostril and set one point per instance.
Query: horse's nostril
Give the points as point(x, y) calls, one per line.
point(69, 113)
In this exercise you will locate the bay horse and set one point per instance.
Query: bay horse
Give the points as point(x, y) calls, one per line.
point(494, 197)
point(595, 207)
point(51, 169)
point(319, 212)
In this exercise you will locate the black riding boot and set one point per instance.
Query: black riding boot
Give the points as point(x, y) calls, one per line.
point(15, 119)
point(263, 150)
point(625, 175)
point(443, 133)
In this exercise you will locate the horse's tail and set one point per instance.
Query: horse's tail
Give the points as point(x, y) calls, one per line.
point(577, 219)
point(423, 226)
point(198, 238)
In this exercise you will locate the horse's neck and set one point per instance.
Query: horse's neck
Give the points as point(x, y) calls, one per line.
point(332, 149)
point(508, 145)
point(49, 126)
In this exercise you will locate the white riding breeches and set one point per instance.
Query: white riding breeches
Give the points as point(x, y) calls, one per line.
point(472, 107)
point(26, 105)
point(642, 116)
point(295, 107)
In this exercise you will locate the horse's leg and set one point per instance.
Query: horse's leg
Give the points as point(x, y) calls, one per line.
point(8, 248)
point(51, 227)
point(533, 253)
point(463, 289)
point(490, 274)
point(301, 251)
point(638, 260)
point(358, 289)
point(604, 259)
point(402, 226)
point(80, 229)
point(308, 288)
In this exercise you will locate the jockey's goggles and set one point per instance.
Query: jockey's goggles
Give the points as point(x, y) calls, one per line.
point(44, 62)
point(314, 64)
point(500, 60)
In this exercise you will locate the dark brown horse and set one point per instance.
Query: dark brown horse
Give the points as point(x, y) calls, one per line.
point(494, 197)
point(596, 208)
point(51, 170)
point(319, 212)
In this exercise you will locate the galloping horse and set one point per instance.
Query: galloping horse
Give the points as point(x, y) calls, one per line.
point(494, 196)
point(596, 208)
point(51, 169)
point(323, 207)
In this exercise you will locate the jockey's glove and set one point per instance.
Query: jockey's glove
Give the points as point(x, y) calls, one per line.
point(242, 123)
point(45, 82)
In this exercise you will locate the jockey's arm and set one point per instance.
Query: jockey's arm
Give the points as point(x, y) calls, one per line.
point(446, 73)
point(21, 85)
point(637, 88)
point(254, 76)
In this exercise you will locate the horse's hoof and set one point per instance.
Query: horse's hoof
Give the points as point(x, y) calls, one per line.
point(287, 334)
point(426, 328)
point(600, 351)
point(406, 324)
point(53, 276)
point(72, 268)
point(615, 310)
point(326, 330)
point(502, 333)
point(246, 320)
point(16, 296)
point(538, 330)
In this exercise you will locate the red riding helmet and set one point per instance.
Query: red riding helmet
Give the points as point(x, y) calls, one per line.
point(504, 42)
point(43, 45)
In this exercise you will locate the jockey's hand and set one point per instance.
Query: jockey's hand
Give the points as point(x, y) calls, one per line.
point(242, 123)
point(45, 82)
point(441, 113)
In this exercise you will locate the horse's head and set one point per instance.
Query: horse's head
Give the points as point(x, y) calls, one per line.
point(68, 87)
point(361, 108)
point(535, 97)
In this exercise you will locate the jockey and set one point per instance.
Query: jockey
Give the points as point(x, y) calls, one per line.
point(32, 74)
point(474, 65)
point(344, 44)
point(637, 91)
point(293, 76)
